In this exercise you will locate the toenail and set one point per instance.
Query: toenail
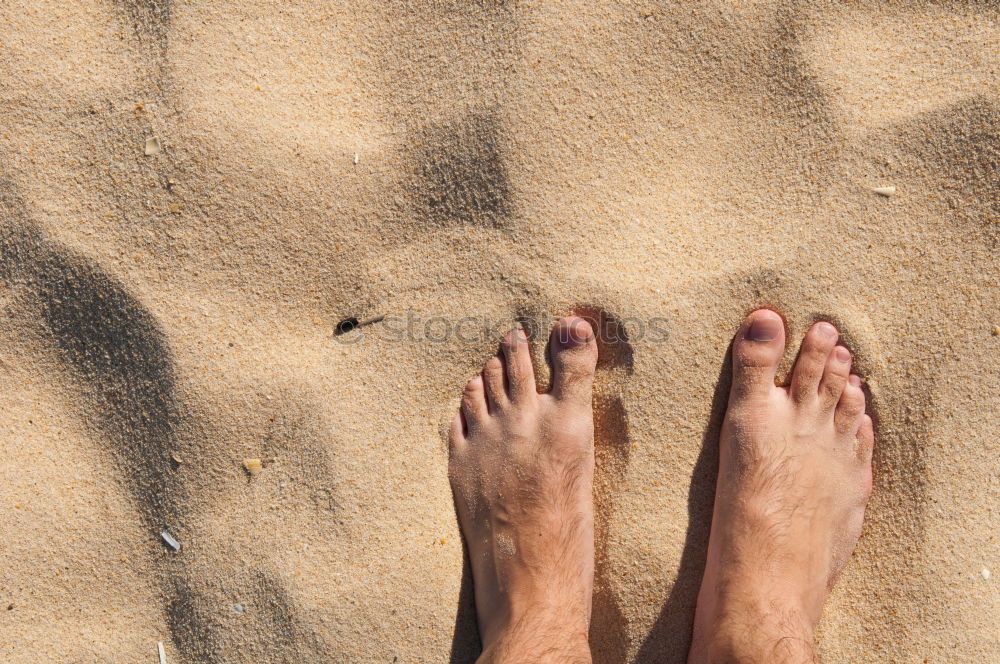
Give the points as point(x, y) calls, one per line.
point(573, 336)
point(826, 329)
point(843, 354)
point(854, 380)
point(763, 329)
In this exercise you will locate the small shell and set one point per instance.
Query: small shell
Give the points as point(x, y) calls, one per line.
point(153, 146)
point(161, 652)
point(885, 191)
point(253, 466)
point(986, 574)
point(357, 158)
point(169, 539)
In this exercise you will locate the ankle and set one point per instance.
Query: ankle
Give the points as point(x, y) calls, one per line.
point(774, 648)
point(758, 630)
point(516, 649)
point(542, 633)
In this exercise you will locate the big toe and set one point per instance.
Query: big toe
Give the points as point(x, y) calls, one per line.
point(757, 349)
point(573, 349)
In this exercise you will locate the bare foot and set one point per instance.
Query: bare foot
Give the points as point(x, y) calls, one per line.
point(521, 467)
point(794, 478)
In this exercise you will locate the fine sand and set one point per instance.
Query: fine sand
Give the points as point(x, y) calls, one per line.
point(166, 316)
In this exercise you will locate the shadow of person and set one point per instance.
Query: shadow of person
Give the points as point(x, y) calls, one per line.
point(465, 643)
point(670, 636)
point(609, 641)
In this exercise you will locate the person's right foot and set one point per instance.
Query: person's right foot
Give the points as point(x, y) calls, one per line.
point(794, 478)
point(522, 466)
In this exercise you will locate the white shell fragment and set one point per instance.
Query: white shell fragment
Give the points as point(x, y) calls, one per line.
point(161, 652)
point(357, 158)
point(885, 191)
point(253, 466)
point(986, 574)
point(169, 539)
point(153, 146)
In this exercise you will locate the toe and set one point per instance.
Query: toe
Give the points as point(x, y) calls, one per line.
point(813, 355)
point(757, 349)
point(517, 358)
point(474, 403)
point(456, 434)
point(573, 350)
point(866, 439)
point(866, 445)
point(493, 378)
point(838, 368)
point(850, 408)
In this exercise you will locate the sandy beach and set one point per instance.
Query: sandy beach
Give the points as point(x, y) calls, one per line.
point(194, 194)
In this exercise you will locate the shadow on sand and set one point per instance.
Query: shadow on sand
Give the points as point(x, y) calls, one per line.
point(670, 637)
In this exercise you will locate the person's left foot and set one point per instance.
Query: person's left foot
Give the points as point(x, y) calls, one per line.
point(521, 467)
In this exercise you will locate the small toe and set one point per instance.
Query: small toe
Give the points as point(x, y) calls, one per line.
point(866, 446)
point(838, 368)
point(495, 381)
point(456, 434)
point(850, 408)
point(520, 373)
point(866, 439)
point(813, 356)
point(757, 349)
point(573, 350)
point(474, 403)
